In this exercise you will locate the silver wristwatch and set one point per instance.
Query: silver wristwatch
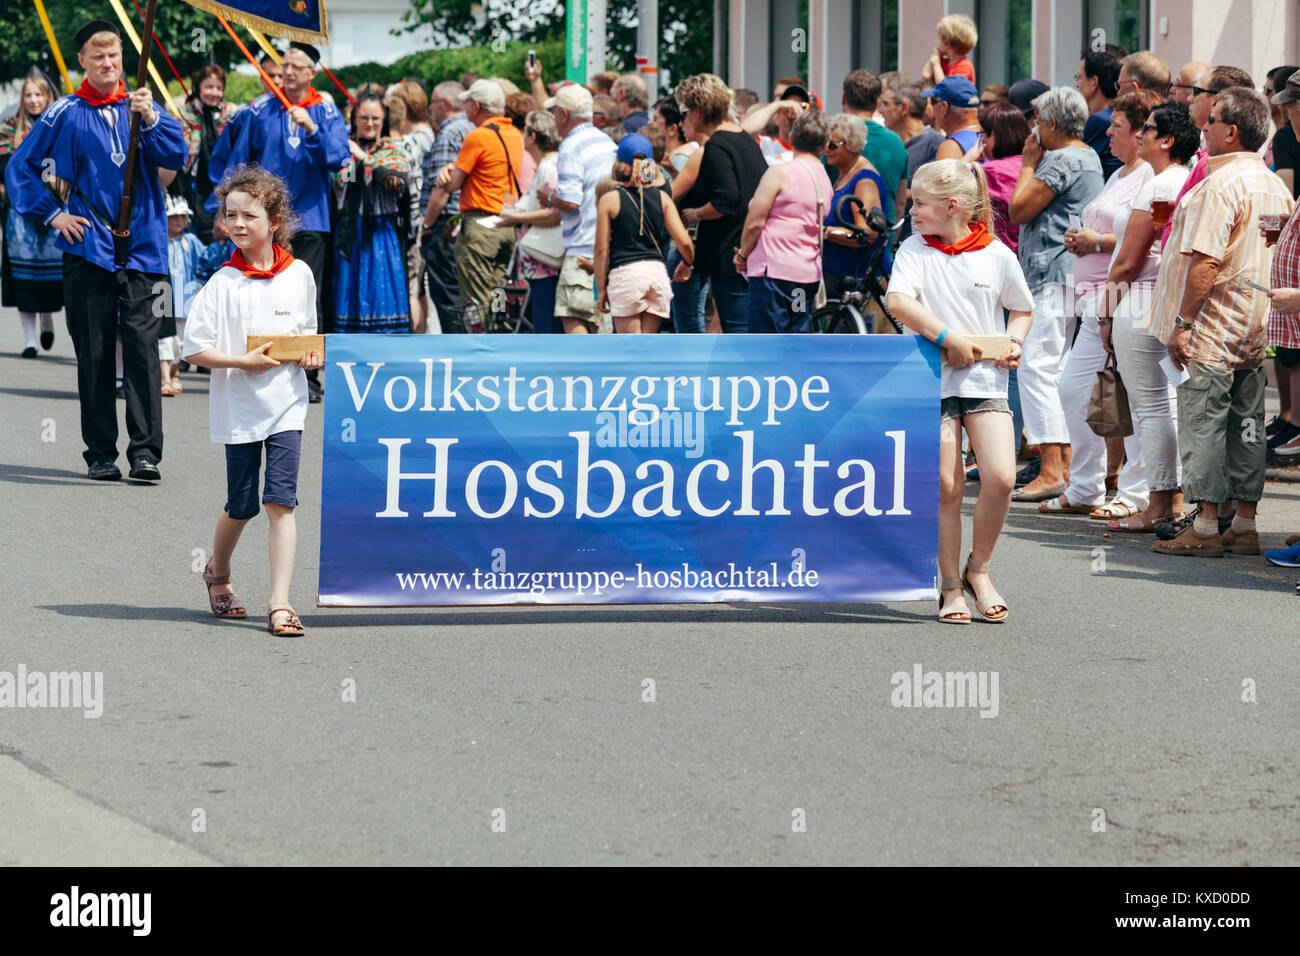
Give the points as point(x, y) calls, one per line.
point(1181, 323)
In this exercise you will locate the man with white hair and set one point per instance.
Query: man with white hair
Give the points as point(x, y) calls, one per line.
point(303, 145)
point(486, 172)
point(634, 98)
point(441, 204)
point(586, 157)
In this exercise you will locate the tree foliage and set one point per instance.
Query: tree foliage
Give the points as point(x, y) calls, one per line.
point(190, 36)
point(685, 27)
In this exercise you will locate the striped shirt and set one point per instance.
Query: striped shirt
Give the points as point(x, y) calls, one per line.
point(1219, 218)
point(1284, 327)
point(586, 157)
point(446, 147)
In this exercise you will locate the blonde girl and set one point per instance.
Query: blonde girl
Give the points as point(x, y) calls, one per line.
point(953, 279)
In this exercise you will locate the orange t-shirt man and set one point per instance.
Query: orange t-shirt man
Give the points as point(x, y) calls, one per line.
point(483, 159)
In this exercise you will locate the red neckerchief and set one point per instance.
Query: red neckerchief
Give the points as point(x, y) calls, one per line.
point(311, 99)
point(97, 99)
point(978, 238)
point(282, 259)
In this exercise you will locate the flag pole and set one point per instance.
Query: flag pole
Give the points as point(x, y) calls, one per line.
point(122, 234)
point(54, 45)
point(284, 100)
point(161, 49)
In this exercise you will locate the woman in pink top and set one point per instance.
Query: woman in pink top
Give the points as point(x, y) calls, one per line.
point(1005, 131)
point(1093, 245)
point(780, 244)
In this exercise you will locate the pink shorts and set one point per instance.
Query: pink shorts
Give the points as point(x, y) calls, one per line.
point(640, 287)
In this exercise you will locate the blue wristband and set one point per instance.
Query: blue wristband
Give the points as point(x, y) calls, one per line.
point(942, 335)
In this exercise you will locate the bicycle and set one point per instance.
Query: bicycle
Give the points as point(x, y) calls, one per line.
point(845, 315)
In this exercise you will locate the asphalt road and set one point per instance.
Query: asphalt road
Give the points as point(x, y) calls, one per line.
point(1120, 692)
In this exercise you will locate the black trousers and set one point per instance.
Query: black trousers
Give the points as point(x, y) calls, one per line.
point(99, 313)
point(440, 270)
point(317, 250)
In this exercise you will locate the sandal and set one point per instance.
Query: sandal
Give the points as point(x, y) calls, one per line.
point(223, 605)
point(291, 627)
point(1060, 505)
point(957, 612)
point(176, 386)
point(1114, 510)
point(994, 609)
point(1145, 524)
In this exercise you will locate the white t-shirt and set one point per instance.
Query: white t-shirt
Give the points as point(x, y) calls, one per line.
point(1175, 175)
point(251, 406)
point(968, 292)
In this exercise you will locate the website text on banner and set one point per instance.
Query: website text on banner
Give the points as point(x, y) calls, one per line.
point(480, 469)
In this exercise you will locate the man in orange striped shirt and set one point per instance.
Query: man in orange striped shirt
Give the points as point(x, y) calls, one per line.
point(1214, 325)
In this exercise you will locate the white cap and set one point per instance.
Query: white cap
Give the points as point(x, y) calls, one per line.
point(572, 97)
point(485, 92)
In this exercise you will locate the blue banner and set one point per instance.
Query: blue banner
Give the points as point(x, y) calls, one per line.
point(553, 469)
point(302, 20)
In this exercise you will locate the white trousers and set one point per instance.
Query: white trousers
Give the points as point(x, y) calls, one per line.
point(1152, 397)
point(1088, 464)
point(1041, 361)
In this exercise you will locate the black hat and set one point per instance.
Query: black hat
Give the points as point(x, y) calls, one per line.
point(1025, 92)
point(313, 54)
point(93, 27)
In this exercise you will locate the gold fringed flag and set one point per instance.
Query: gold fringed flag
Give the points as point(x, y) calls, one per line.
point(302, 20)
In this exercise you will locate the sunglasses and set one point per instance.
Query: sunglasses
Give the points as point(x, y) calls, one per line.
point(831, 144)
point(1150, 127)
point(1200, 89)
point(1211, 121)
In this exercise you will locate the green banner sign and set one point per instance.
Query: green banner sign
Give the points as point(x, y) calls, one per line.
point(575, 50)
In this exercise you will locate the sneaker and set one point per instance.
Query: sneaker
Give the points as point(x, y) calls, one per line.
point(1240, 542)
point(1276, 422)
point(1283, 435)
point(103, 470)
point(1190, 544)
point(1285, 557)
point(1027, 474)
point(145, 469)
point(1287, 449)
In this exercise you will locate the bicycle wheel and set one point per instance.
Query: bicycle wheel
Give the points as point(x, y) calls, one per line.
point(835, 318)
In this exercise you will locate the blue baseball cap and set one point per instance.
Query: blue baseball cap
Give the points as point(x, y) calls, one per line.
point(633, 145)
point(956, 91)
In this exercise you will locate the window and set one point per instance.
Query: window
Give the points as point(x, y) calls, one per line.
point(1004, 53)
point(1122, 22)
point(787, 57)
point(875, 35)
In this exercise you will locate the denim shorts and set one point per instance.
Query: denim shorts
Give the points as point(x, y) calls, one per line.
point(957, 407)
point(283, 451)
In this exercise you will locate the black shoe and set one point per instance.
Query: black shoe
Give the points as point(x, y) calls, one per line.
point(47, 340)
point(104, 470)
point(1285, 432)
point(145, 469)
point(1027, 474)
point(29, 352)
point(1276, 422)
point(1171, 530)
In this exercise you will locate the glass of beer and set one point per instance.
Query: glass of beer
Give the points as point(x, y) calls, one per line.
point(1162, 205)
point(1272, 224)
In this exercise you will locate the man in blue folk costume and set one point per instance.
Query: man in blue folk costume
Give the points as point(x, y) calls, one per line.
point(69, 173)
point(302, 145)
